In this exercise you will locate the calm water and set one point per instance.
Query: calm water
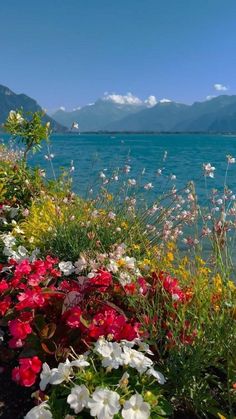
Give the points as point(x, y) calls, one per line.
point(185, 156)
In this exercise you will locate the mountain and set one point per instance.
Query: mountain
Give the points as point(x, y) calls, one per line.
point(12, 101)
point(215, 115)
point(96, 116)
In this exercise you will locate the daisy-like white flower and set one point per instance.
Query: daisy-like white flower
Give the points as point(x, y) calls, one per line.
point(157, 374)
point(80, 362)
point(104, 403)
point(136, 359)
point(67, 268)
point(78, 398)
point(80, 264)
point(62, 373)
point(40, 412)
point(136, 408)
point(46, 375)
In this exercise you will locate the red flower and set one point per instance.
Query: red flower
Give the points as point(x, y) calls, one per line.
point(72, 317)
point(109, 322)
point(5, 305)
point(3, 285)
point(19, 329)
point(23, 268)
point(102, 280)
point(30, 299)
point(27, 371)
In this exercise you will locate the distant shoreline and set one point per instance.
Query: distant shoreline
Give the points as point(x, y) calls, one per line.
point(148, 133)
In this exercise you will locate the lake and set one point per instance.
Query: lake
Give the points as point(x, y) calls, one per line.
point(92, 153)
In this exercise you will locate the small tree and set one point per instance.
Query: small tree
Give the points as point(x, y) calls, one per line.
point(29, 129)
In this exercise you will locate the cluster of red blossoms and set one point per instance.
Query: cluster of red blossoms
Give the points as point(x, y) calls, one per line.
point(27, 371)
point(33, 295)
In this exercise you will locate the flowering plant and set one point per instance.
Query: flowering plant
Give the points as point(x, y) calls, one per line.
point(111, 380)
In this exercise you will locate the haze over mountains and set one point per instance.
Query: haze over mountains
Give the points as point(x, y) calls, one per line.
point(107, 114)
point(116, 113)
point(12, 101)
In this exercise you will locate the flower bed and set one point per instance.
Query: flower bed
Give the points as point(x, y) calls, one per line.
point(100, 310)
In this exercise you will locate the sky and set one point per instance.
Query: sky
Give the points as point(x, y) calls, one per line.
point(70, 52)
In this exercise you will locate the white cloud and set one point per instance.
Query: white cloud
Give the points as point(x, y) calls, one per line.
point(164, 100)
point(76, 109)
point(209, 97)
point(62, 108)
point(220, 87)
point(151, 101)
point(127, 99)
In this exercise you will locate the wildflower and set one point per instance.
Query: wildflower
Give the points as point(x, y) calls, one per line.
point(42, 411)
point(102, 280)
point(104, 403)
point(136, 408)
point(148, 186)
point(78, 398)
point(102, 175)
point(209, 170)
point(231, 160)
point(112, 215)
point(127, 168)
point(67, 268)
point(81, 264)
point(132, 182)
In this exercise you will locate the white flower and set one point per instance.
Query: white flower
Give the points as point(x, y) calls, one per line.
point(136, 408)
point(157, 374)
point(80, 362)
point(81, 264)
point(45, 376)
point(129, 262)
point(39, 412)
point(231, 160)
point(112, 266)
point(102, 175)
point(136, 360)
point(111, 353)
point(104, 403)
point(112, 215)
point(66, 267)
point(62, 373)
point(78, 398)
point(132, 182)
point(209, 170)
point(13, 115)
point(8, 240)
point(148, 186)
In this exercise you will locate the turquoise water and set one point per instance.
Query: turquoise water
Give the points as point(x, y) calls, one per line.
point(185, 156)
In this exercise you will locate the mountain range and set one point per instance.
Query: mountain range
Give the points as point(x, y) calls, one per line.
point(215, 115)
point(12, 101)
point(115, 113)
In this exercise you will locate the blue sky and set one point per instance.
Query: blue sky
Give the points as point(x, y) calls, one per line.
point(69, 52)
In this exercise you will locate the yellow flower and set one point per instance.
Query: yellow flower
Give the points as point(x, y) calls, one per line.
point(170, 256)
point(217, 282)
point(125, 225)
point(231, 285)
